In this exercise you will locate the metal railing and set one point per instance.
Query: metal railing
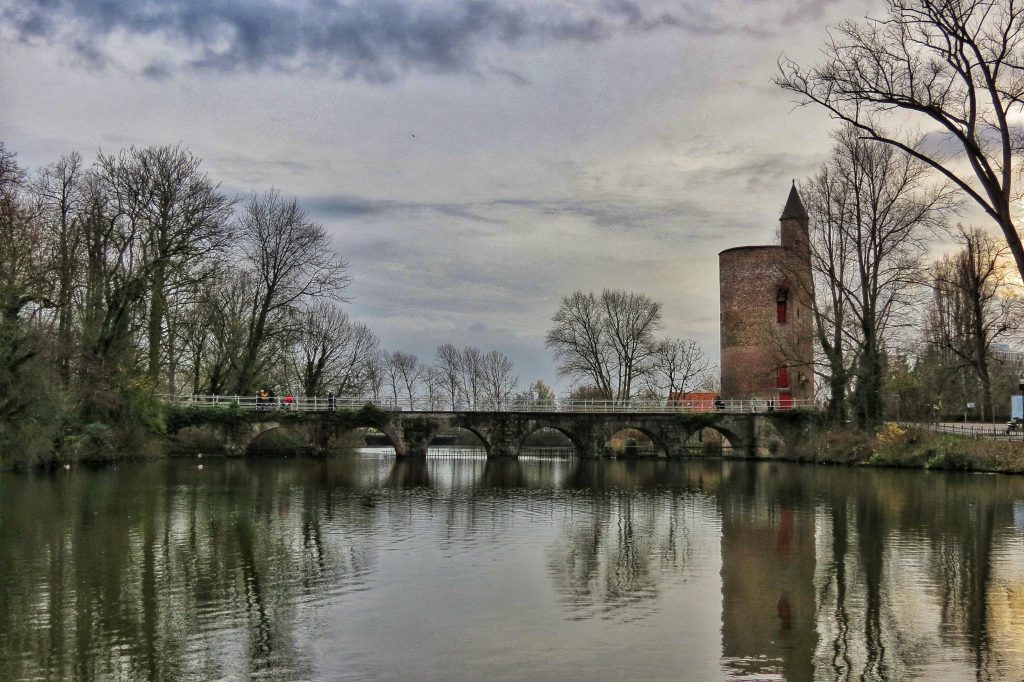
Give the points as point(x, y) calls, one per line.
point(322, 404)
point(997, 431)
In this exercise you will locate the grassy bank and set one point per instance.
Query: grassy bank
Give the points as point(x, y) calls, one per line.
point(903, 447)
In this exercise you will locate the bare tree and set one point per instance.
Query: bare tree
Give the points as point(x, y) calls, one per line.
point(607, 341)
point(359, 356)
point(21, 286)
point(59, 189)
point(178, 216)
point(829, 207)
point(291, 262)
point(498, 380)
point(579, 342)
point(631, 320)
point(471, 364)
point(677, 365)
point(952, 68)
point(448, 363)
point(215, 326)
point(114, 282)
point(434, 383)
point(974, 306)
point(331, 352)
point(376, 375)
point(22, 275)
point(319, 343)
point(874, 218)
point(403, 375)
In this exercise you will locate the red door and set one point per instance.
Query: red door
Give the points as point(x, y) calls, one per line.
point(785, 400)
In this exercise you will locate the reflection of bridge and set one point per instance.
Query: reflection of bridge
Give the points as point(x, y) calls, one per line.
point(503, 432)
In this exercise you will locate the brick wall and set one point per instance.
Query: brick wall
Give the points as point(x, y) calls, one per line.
point(753, 344)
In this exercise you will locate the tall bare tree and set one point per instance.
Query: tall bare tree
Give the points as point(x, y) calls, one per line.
point(606, 341)
point(472, 371)
point(498, 379)
point(403, 374)
point(59, 189)
point(677, 365)
point(579, 341)
point(873, 208)
point(829, 207)
point(331, 351)
point(22, 286)
point(290, 261)
point(974, 305)
point(178, 217)
point(360, 353)
point(948, 75)
point(448, 363)
point(319, 343)
point(631, 320)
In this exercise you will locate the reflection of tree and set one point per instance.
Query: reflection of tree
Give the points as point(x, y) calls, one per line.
point(902, 566)
point(167, 571)
point(906, 572)
point(629, 532)
point(161, 571)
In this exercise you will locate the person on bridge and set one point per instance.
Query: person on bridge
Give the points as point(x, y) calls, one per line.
point(288, 400)
point(332, 401)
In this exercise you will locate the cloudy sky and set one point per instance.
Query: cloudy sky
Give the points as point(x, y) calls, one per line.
point(475, 159)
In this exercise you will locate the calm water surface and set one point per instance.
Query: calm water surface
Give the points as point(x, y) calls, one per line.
point(362, 567)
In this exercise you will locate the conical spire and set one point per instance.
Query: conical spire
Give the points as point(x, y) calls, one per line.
point(794, 207)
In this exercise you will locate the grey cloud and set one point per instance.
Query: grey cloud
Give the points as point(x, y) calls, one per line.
point(603, 213)
point(373, 40)
point(158, 70)
point(807, 10)
point(343, 206)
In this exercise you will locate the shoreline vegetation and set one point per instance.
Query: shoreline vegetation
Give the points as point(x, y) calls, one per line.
point(905, 447)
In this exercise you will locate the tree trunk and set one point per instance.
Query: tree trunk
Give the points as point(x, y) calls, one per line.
point(157, 310)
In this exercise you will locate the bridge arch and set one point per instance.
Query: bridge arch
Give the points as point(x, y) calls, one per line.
point(660, 444)
point(392, 435)
point(534, 427)
point(484, 442)
point(701, 440)
point(278, 438)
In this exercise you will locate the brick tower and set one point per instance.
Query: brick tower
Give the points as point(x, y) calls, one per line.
point(767, 326)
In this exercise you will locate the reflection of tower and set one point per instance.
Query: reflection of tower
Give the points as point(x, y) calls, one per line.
point(768, 600)
point(767, 324)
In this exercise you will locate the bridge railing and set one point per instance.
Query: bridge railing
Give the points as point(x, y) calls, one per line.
point(322, 404)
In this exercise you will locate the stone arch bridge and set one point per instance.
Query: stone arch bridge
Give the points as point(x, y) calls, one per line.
point(502, 433)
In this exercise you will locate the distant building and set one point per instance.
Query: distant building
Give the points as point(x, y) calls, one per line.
point(693, 401)
point(767, 324)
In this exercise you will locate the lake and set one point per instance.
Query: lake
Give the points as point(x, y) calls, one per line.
point(464, 568)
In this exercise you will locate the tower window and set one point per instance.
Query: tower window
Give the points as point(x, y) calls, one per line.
point(781, 306)
point(782, 377)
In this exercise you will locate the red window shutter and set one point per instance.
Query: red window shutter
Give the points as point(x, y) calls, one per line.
point(780, 312)
point(782, 377)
